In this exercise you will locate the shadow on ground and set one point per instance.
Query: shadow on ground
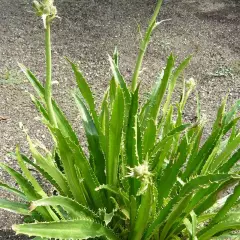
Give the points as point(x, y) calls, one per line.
point(9, 235)
point(227, 12)
point(218, 12)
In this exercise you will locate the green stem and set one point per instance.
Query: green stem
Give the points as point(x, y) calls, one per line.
point(144, 44)
point(48, 85)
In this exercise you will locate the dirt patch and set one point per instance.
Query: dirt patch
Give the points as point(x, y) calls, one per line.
point(87, 31)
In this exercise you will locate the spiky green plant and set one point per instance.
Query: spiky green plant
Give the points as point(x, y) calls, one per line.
point(148, 174)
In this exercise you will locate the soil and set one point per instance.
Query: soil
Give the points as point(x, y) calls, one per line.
point(86, 32)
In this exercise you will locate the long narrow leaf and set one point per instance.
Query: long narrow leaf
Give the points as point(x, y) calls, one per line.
point(143, 215)
point(62, 122)
point(178, 209)
point(115, 136)
point(12, 190)
point(15, 207)
point(50, 169)
point(220, 227)
point(131, 140)
point(27, 189)
point(77, 229)
point(74, 209)
point(174, 78)
point(159, 90)
point(92, 135)
point(86, 92)
point(119, 79)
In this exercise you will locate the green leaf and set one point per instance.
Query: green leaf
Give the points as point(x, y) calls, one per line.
point(28, 175)
point(201, 194)
point(40, 108)
point(234, 109)
point(226, 167)
point(104, 125)
point(131, 140)
point(173, 81)
point(220, 227)
point(154, 102)
point(43, 173)
point(220, 115)
point(112, 90)
point(115, 137)
point(93, 140)
point(227, 151)
point(27, 189)
point(72, 155)
point(197, 161)
point(167, 123)
point(170, 174)
point(191, 186)
point(209, 161)
point(86, 92)
point(159, 145)
point(15, 207)
point(213, 197)
point(228, 205)
point(162, 216)
point(12, 190)
point(33, 80)
point(231, 125)
point(191, 226)
point(24, 184)
point(50, 169)
point(77, 229)
point(195, 164)
point(62, 122)
point(34, 182)
point(120, 80)
point(116, 56)
point(133, 210)
point(175, 213)
point(158, 160)
point(74, 209)
point(149, 137)
point(194, 225)
point(143, 214)
point(115, 190)
point(201, 181)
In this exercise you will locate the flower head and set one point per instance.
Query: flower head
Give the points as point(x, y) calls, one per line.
point(45, 9)
point(191, 84)
point(142, 173)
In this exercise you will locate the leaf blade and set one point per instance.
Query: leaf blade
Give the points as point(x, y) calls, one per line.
point(80, 229)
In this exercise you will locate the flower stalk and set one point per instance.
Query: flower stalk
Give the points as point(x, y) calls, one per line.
point(144, 44)
point(48, 12)
point(48, 84)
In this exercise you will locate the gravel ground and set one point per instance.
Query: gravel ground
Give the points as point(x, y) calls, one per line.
point(90, 29)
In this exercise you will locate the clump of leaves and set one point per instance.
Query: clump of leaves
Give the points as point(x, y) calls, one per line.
point(148, 174)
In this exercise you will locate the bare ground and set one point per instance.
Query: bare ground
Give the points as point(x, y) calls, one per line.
point(90, 29)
